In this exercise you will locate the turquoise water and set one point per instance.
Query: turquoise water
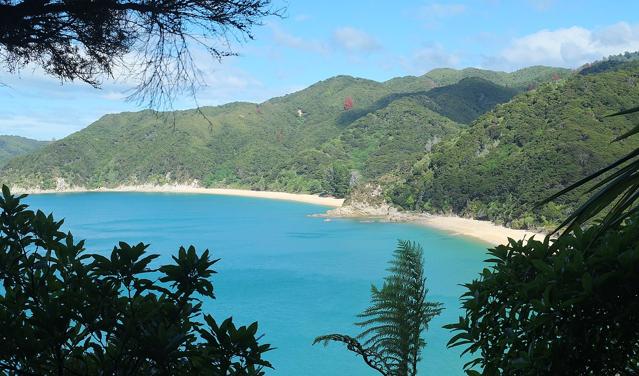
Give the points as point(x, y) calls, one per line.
point(297, 275)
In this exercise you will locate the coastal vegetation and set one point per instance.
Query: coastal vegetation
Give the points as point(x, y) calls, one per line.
point(303, 142)
point(394, 324)
point(522, 151)
point(522, 79)
point(568, 306)
point(475, 147)
point(65, 311)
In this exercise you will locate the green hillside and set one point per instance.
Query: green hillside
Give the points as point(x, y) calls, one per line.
point(410, 84)
point(302, 142)
point(469, 98)
point(13, 146)
point(610, 63)
point(520, 79)
point(520, 152)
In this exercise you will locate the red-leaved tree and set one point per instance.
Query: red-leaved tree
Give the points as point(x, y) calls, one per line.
point(348, 103)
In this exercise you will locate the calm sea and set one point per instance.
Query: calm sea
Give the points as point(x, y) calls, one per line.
point(297, 275)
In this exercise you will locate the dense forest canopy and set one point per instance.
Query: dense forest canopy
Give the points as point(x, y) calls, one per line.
point(522, 151)
point(302, 142)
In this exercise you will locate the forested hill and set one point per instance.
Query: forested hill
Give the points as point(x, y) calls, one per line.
point(13, 146)
point(522, 151)
point(521, 79)
point(322, 139)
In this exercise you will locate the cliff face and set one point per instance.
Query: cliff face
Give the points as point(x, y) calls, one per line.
point(366, 200)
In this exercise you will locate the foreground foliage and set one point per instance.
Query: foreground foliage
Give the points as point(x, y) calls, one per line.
point(66, 312)
point(395, 322)
point(568, 308)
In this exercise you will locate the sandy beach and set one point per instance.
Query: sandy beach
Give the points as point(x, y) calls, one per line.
point(298, 197)
point(484, 231)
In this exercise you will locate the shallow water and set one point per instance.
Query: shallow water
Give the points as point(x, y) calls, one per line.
point(297, 275)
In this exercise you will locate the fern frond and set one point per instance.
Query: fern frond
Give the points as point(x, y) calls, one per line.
point(392, 326)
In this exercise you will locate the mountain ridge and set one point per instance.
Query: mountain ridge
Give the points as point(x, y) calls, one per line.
point(524, 150)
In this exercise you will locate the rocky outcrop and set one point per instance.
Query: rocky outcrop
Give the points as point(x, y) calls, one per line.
point(368, 201)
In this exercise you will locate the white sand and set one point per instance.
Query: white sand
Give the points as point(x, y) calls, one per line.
point(485, 231)
point(299, 197)
point(482, 230)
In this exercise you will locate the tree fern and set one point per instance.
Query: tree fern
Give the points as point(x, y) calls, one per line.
point(391, 341)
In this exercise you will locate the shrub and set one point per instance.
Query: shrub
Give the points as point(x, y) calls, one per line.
point(64, 311)
point(565, 308)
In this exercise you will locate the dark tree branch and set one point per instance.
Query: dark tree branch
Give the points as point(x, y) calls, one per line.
point(370, 357)
point(150, 41)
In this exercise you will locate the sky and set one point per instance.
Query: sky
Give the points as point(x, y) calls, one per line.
point(374, 39)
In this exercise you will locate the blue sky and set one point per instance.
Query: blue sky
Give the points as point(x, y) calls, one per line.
point(374, 39)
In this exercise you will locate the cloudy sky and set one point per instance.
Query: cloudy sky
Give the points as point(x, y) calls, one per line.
point(375, 39)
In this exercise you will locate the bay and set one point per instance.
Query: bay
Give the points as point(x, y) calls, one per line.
point(298, 276)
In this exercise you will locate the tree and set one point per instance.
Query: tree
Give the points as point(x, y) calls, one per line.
point(617, 193)
point(66, 312)
point(565, 308)
point(570, 306)
point(395, 322)
point(337, 180)
point(348, 103)
point(152, 41)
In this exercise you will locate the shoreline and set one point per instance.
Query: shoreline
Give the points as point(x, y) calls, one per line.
point(484, 231)
point(189, 189)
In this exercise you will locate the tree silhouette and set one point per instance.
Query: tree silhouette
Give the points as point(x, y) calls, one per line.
point(152, 41)
point(66, 312)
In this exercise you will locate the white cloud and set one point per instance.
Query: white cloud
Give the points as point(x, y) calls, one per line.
point(347, 39)
point(433, 13)
point(354, 40)
point(541, 5)
point(437, 10)
point(302, 17)
point(40, 126)
point(227, 84)
point(429, 57)
point(284, 38)
point(567, 47)
point(114, 95)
